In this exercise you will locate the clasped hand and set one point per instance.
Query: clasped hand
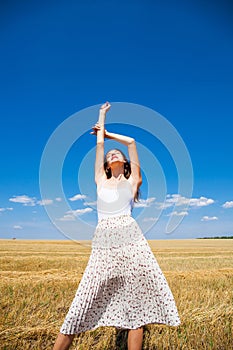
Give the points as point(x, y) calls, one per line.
point(96, 128)
point(105, 107)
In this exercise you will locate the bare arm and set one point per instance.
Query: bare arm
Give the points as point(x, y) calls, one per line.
point(100, 131)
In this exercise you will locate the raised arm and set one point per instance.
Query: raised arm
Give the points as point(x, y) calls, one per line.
point(133, 155)
point(100, 131)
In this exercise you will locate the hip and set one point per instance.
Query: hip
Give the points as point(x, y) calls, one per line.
point(116, 231)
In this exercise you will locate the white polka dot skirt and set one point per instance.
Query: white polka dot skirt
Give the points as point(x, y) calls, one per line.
point(123, 285)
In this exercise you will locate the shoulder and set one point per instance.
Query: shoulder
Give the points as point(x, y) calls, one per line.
point(100, 180)
point(135, 181)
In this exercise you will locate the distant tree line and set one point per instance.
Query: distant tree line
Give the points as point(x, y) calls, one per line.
point(217, 237)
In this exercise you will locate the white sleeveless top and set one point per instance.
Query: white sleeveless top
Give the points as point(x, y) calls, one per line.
point(114, 201)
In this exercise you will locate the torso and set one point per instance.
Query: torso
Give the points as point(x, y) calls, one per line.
point(115, 196)
point(113, 182)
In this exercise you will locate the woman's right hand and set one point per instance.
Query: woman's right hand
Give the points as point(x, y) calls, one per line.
point(105, 107)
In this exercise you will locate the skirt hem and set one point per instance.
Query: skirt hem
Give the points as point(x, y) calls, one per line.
point(121, 327)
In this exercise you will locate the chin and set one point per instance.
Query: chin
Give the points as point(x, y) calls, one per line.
point(117, 160)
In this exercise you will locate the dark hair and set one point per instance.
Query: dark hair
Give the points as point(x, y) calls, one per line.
point(127, 170)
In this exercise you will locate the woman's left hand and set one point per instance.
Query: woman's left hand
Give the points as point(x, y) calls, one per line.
point(95, 128)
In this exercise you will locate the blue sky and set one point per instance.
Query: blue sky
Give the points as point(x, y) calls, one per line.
point(60, 58)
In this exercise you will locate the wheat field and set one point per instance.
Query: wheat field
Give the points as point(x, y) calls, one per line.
point(39, 280)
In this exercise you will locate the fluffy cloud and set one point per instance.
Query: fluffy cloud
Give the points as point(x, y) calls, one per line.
point(209, 218)
point(150, 219)
point(228, 205)
point(17, 227)
point(4, 209)
point(178, 200)
point(78, 212)
point(144, 203)
point(178, 213)
point(68, 217)
point(90, 203)
point(24, 199)
point(45, 202)
point(31, 201)
point(77, 197)
point(71, 214)
point(193, 202)
point(200, 202)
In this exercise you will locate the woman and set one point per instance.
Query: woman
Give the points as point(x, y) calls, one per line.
point(122, 285)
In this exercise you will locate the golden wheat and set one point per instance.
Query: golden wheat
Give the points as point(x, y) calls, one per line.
point(39, 280)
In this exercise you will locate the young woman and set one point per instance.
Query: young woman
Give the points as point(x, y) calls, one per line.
point(123, 285)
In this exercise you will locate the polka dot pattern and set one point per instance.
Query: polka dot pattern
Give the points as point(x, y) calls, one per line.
point(123, 285)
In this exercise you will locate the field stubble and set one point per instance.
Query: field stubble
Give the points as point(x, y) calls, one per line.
point(39, 280)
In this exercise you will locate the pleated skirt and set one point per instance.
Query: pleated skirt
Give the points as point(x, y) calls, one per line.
point(122, 285)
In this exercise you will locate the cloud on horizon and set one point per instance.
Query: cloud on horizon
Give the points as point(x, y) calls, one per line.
point(178, 213)
point(71, 214)
point(209, 218)
point(150, 219)
point(45, 202)
point(178, 200)
point(144, 202)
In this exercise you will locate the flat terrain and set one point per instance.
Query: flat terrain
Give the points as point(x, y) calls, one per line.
point(39, 280)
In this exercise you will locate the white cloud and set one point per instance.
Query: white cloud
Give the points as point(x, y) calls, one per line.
point(17, 227)
point(77, 197)
point(4, 209)
point(152, 219)
point(178, 200)
point(178, 213)
point(45, 202)
point(228, 205)
point(58, 199)
point(68, 217)
point(24, 199)
point(71, 214)
point(90, 203)
point(78, 212)
point(144, 202)
point(209, 218)
point(200, 202)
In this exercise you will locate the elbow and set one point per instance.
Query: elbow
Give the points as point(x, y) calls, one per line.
point(132, 141)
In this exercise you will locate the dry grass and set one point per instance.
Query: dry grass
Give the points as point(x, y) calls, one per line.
point(39, 280)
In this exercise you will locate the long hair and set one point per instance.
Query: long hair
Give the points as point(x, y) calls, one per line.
point(127, 170)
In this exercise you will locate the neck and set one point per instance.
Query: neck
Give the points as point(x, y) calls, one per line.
point(117, 171)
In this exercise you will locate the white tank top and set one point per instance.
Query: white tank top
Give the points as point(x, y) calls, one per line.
point(114, 201)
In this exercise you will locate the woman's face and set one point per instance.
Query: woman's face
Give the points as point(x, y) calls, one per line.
point(114, 156)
